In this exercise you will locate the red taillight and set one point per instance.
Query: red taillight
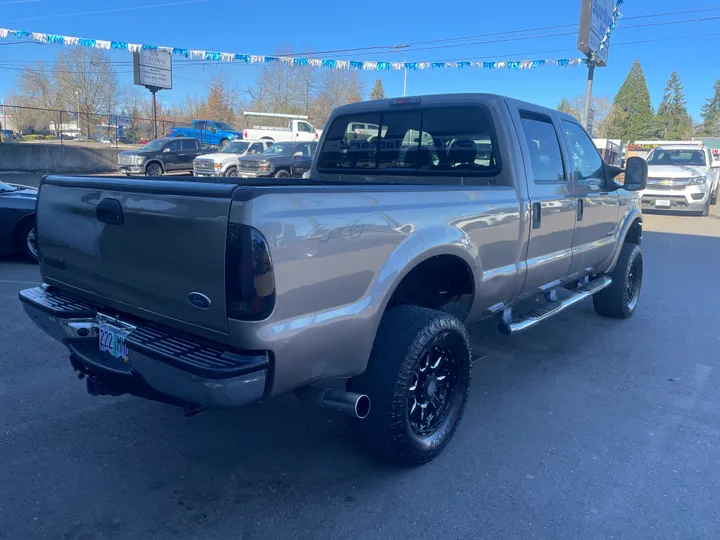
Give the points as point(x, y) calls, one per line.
point(249, 276)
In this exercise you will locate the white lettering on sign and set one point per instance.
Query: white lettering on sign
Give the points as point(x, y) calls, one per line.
point(153, 68)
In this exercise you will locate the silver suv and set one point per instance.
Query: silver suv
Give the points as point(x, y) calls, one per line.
point(681, 178)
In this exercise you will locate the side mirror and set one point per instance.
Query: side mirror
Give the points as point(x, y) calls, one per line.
point(166, 150)
point(636, 174)
point(297, 155)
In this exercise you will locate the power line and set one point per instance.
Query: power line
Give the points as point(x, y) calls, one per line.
point(113, 10)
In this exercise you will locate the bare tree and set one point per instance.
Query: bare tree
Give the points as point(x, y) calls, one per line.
point(85, 82)
point(221, 102)
point(337, 87)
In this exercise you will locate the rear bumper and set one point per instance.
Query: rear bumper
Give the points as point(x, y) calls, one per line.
point(183, 367)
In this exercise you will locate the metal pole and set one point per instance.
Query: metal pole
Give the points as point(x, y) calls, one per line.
point(405, 75)
point(154, 113)
point(60, 130)
point(588, 92)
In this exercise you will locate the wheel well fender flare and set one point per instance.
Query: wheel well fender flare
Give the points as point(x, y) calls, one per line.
point(630, 229)
point(19, 225)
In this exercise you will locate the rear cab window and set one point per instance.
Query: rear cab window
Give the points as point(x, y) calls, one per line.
point(439, 141)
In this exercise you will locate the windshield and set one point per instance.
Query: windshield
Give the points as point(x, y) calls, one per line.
point(237, 147)
point(661, 156)
point(279, 149)
point(154, 145)
point(224, 126)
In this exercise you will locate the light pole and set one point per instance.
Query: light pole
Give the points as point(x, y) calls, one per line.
point(396, 49)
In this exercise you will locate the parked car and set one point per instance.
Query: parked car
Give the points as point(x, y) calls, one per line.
point(9, 136)
point(160, 156)
point(297, 131)
point(681, 178)
point(225, 162)
point(17, 220)
point(281, 160)
point(208, 132)
point(367, 271)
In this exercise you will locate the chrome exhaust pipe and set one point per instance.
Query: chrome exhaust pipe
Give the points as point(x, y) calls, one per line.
point(349, 403)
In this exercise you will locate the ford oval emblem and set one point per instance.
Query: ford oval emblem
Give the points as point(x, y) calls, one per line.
point(199, 300)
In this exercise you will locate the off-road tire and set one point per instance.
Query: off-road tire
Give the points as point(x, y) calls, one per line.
point(282, 174)
point(405, 335)
point(617, 300)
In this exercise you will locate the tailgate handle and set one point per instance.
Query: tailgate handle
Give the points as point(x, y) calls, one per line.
point(109, 211)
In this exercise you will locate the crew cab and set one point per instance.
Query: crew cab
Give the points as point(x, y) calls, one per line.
point(208, 132)
point(160, 156)
point(225, 162)
point(465, 207)
point(281, 160)
point(681, 178)
point(296, 131)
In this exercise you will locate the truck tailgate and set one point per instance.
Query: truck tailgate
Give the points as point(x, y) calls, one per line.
point(139, 246)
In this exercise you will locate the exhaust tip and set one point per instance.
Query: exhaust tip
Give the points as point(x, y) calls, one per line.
point(362, 407)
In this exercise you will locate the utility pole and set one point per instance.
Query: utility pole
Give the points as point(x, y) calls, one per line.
point(79, 125)
point(153, 91)
point(395, 49)
point(588, 94)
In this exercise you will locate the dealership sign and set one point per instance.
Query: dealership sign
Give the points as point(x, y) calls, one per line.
point(595, 19)
point(153, 69)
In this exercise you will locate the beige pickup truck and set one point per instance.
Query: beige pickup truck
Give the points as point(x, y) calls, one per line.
point(460, 208)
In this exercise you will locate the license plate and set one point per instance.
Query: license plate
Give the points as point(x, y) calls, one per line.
point(113, 334)
point(664, 203)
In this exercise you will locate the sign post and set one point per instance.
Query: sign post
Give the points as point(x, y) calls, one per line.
point(595, 19)
point(153, 70)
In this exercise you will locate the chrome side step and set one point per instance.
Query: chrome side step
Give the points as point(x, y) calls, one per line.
point(531, 318)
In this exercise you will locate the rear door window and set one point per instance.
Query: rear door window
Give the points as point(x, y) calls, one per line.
point(544, 146)
point(174, 146)
point(190, 144)
point(441, 141)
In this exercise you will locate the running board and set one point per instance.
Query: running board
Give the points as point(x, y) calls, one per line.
point(543, 313)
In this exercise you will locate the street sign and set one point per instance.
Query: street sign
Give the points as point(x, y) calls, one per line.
point(153, 69)
point(595, 18)
point(119, 120)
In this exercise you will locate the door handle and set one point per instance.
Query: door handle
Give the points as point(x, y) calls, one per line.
point(536, 215)
point(109, 211)
point(580, 209)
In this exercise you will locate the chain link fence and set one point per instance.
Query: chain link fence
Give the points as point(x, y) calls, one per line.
point(32, 124)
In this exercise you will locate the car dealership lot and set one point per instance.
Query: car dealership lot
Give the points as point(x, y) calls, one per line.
point(583, 427)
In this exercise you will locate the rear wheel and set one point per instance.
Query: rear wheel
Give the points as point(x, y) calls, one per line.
point(418, 378)
point(620, 299)
point(153, 169)
point(282, 174)
point(26, 241)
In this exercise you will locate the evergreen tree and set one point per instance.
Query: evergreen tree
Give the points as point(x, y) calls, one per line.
point(710, 113)
point(673, 120)
point(632, 117)
point(377, 92)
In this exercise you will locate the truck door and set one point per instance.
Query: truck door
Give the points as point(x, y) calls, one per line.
point(171, 155)
point(211, 136)
point(597, 209)
point(553, 206)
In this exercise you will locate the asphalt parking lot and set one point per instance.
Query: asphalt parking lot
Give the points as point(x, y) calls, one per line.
point(582, 428)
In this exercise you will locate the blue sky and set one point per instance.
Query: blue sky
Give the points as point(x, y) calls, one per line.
point(321, 25)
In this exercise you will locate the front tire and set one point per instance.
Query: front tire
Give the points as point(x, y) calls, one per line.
point(282, 174)
point(232, 172)
point(418, 378)
point(714, 196)
point(154, 169)
point(620, 299)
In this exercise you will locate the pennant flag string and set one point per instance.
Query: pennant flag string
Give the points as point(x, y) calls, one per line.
point(613, 23)
point(191, 54)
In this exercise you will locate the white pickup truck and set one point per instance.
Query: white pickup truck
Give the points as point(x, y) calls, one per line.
point(297, 130)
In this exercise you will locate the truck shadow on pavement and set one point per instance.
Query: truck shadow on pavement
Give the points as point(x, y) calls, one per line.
point(283, 469)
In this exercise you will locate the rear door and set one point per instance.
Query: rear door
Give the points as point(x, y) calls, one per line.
point(171, 155)
point(189, 150)
point(553, 205)
point(597, 211)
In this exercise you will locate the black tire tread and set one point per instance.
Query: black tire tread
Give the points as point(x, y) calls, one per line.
point(388, 376)
point(610, 302)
